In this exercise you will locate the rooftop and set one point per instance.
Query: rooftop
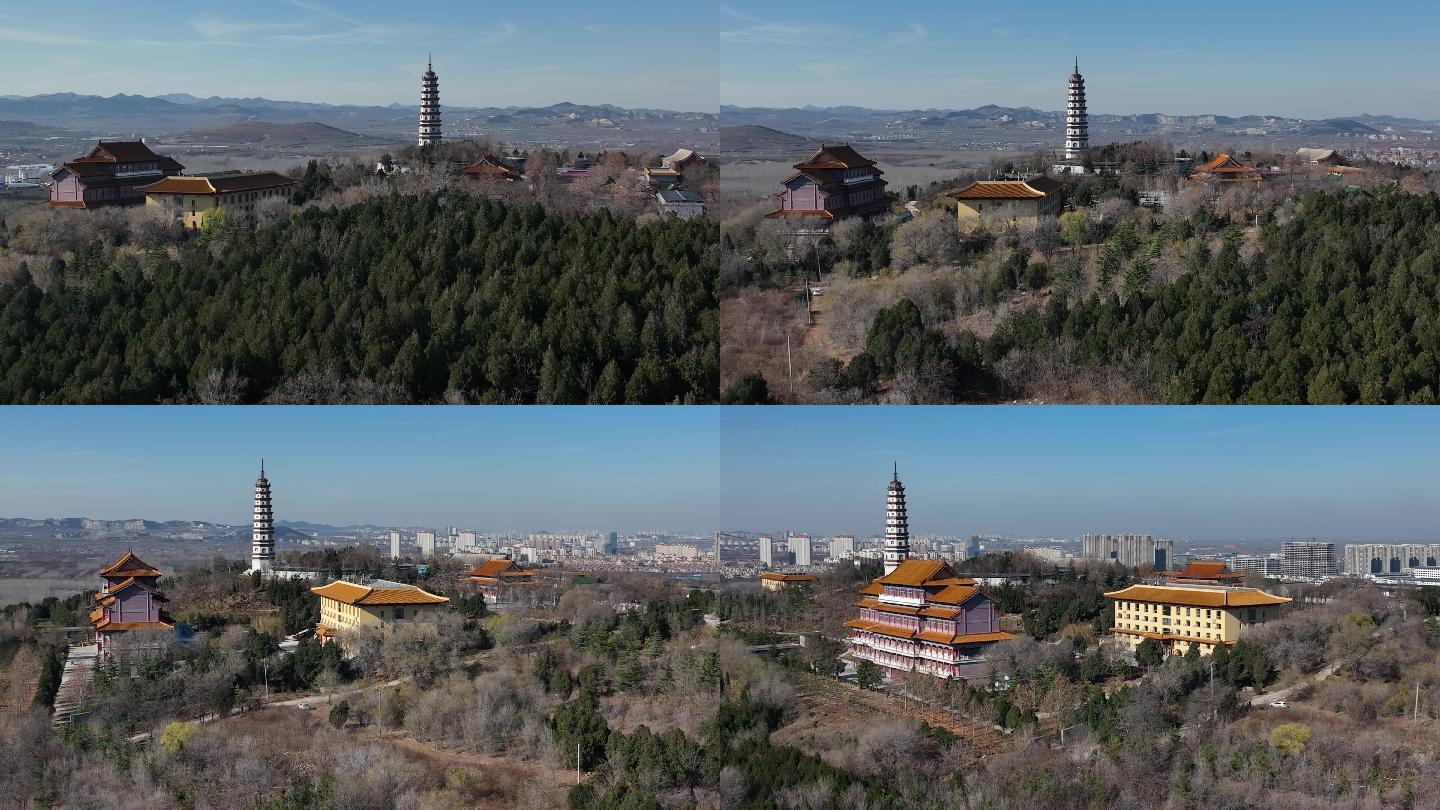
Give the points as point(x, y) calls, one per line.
point(1034, 188)
point(1211, 596)
point(378, 592)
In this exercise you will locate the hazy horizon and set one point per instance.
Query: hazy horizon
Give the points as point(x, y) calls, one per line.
point(1136, 57)
point(368, 52)
point(1205, 474)
point(491, 469)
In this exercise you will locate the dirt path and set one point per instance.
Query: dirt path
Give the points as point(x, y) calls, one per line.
point(827, 710)
point(18, 683)
point(508, 781)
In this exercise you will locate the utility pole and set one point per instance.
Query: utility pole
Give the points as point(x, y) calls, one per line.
point(790, 366)
point(1416, 718)
point(577, 762)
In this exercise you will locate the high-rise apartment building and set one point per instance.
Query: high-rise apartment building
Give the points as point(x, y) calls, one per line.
point(1133, 550)
point(800, 547)
point(426, 541)
point(395, 540)
point(1375, 559)
point(1266, 565)
point(1308, 560)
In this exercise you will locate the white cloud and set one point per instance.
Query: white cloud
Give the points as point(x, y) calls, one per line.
point(773, 33)
point(506, 30)
point(1003, 33)
point(325, 11)
point(42, 37)
point(914, 33)
point(220, 28)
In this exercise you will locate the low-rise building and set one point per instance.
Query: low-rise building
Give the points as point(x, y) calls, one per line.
point(1226, 170)
point(496, 577)
point(660, 178)
point(1017, 202)
point(191, 200)
point(347, 606)
point(681, 203)
point(1183, 616)
point(778, 581)
point(111, 173)
point(1204, 572)
point(492, 169)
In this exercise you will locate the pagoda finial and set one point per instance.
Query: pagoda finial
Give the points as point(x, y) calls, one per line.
point(262, 468)
point(429, 60)
point(1077, 63)
point(896, 475)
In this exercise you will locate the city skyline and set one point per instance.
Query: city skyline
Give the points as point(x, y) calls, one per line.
point(497, 469)
point(1137, 57)
point(370, 52)
point(1194, 473)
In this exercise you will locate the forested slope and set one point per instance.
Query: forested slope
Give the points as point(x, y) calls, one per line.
point(1337, 305)
point(401, 298)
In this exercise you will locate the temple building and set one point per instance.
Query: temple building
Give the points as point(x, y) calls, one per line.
point(834, 183)
point(1181, 616)
point(346, 606)
point(262, 534)
point(1008, 202)
point(1205, 572)
point(111, 173)
point(192, 199)
point(429, 106)
point(779, 580)
point(496, 577)
point(921, 616)
point(492, 169)
point(682, 159)
point(129, 600)
point(1226, 170)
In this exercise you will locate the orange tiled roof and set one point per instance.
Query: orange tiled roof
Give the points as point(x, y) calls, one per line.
point(956, 594)
point(1198, 597)
point(499, 568)
point(940, 612)
point(219, 183)
point(107, 626)
point(842, 156)
point(1033, 189)
point(918, 573)
point(882, 629)
point(129, 566)
point(778, 576)
point(873, 589)
point(1223, 162)
point(351, 594)
point(325, 632)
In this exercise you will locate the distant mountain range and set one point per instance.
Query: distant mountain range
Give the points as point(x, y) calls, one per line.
point(175, 112)
point(1027, 125)
point(284, 529)
point(731, 114)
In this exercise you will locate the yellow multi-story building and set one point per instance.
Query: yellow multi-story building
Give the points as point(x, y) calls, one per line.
point(1182, 616)
point(1007, 202)
point(346, 606)
point(192, 199)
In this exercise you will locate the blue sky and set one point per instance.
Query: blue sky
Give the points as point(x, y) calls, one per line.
point(1189, 472)
point(639, 53)
point(497, 469)
point(1316, 59)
